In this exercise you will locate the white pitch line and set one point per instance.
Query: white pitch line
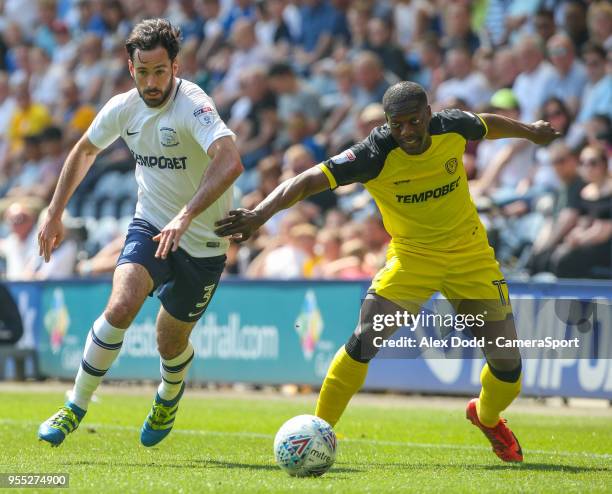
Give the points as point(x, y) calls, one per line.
point(259, 435)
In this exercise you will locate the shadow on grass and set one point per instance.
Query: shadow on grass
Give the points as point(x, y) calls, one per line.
point(192, 463)
point(535, 467)
point(546, 467)
point(230, 464)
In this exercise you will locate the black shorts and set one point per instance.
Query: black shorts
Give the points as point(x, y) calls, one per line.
point(184, 284)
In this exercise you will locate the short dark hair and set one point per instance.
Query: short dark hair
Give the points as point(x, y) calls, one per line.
point(544, 12)
point(52, 133)
point(401, 93)
point(592, 47)
point(280, 69)
point(151, 33)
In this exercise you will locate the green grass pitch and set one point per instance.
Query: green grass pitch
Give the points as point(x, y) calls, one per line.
point(224, 444)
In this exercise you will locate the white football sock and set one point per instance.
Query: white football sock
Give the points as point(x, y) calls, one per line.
point(101, 349)
point(173, 373)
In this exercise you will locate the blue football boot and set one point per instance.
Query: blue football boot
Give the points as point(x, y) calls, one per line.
point(160, 420)
point(55, 429)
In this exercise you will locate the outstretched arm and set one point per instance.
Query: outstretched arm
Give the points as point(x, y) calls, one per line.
point(78, 162)
point(500, 127)
point(224, 168)
point(241, 223)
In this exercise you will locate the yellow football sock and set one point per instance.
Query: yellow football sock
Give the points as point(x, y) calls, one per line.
point(495, 396)
point(345, 377)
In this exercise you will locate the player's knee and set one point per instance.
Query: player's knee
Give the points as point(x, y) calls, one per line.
point(505, 360)
point(502, 358)
point(168, 351)
point(358, 349)
point(170, 348)
point(120, 314)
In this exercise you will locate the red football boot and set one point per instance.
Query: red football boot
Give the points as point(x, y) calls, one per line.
point(504, 442)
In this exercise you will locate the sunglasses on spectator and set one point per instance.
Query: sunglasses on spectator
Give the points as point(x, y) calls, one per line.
point(558, 51)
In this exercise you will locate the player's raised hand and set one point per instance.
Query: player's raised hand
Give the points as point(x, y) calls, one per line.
point(50, 235)
point(171, 234)
point(543, 133)
point(239, 224)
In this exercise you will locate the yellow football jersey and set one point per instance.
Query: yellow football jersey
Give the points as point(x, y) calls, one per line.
point(424, 199)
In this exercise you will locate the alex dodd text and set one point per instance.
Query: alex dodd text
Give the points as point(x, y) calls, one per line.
point(459, 342)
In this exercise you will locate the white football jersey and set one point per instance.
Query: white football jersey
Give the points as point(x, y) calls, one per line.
point(169, 145)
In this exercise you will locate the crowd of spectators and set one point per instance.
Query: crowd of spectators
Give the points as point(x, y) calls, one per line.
point(299, 81)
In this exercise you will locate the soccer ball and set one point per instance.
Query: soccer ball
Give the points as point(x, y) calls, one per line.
point(305, 446)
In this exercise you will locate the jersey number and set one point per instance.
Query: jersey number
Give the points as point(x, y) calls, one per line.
point(201, 306)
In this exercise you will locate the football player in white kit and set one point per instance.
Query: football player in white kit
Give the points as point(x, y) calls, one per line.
point(186, 163)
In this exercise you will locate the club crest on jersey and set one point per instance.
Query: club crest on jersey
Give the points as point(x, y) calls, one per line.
point(169, 137)
point(205, 115)
point(343, 157)
point(451, 165)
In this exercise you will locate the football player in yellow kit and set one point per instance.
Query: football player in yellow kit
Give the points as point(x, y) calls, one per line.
point(412, 166)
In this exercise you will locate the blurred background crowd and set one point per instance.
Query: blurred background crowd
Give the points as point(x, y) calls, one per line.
point(299, 81)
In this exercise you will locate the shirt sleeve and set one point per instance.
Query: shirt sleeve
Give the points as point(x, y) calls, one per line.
point(105, 128)
point(361, 162)
point(470, 125)
point(204, 122)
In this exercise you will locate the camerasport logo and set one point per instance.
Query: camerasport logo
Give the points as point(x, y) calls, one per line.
point(309, 325)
